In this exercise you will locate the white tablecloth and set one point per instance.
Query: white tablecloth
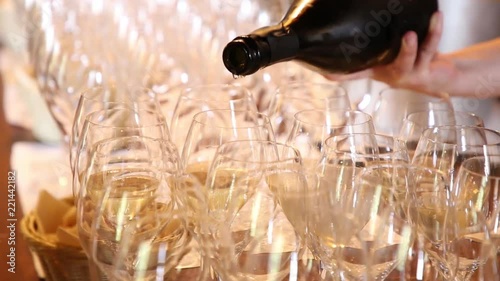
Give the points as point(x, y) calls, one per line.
point(40, 166)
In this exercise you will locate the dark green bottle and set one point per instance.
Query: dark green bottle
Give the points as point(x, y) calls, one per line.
point(339, 36)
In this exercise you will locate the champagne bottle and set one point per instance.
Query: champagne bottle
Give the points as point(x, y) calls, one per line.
point(339, 36)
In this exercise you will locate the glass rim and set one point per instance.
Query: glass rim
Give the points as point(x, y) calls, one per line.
point(409, 166)
point(95, 91)
point(394, 141)
point(475, 173)
point(429, 132)
point(420, 170)
point(159, 119)
point(162, 143)
point(261, 142)
point(418, 114)
point(368, 117)
point(267, 120)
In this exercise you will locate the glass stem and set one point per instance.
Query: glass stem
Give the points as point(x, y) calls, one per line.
point(207, 273)
point(94, 273)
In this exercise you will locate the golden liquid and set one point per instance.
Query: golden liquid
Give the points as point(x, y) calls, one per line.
point(123, 205)
point(228, 190)
point(114, 198)
point(440, 222)
point(291, 190)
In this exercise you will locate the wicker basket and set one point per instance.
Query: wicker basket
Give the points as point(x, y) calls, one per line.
point(59, 262)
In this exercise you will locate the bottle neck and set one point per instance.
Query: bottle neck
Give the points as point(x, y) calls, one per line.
point(245, 55)
point(283, 44)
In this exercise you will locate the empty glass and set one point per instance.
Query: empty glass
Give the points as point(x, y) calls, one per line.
point(393, 105)
point(206, 97)
point(415, 124)
point(313, 126)
point(112, 123)
point(103, 98)
point(296, 96)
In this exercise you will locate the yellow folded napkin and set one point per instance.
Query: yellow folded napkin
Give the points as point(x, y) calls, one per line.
point(56, 220)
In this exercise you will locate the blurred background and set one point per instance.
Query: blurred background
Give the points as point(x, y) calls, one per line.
point(467, 22)
point(203, 34)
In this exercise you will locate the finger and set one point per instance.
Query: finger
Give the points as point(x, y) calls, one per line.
point(430, 45)
point(405, 61)
point(367, 73)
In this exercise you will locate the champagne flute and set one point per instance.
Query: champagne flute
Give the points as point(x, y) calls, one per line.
point(207, 97)
point(446, 147)
point(296, 96)
point(415, 123)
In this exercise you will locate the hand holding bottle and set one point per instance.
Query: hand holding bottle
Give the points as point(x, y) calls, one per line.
point(470, 72)
point(421, 69)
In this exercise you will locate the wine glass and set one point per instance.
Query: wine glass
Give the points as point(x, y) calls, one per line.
point(328, 225)
point(393, 105)
point(206, 97)
point(478, 183)
point(210, 129)
point(446, 147)
point(128, 179)
point(366, 149)
point(417, 266)
point(296, 96)
point(313, 126)
point(347, 155)
point(250, 221)
point(363, 93)
point(152, 248)
point(111, 123)
point(111, 97)
point(395, 180)
point(415, 123)
point(344, 157)
point(457, 237)
point(375, 250)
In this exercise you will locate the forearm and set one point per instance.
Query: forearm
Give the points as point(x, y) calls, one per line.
point(478, 71)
